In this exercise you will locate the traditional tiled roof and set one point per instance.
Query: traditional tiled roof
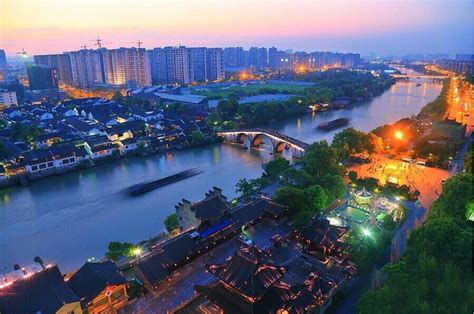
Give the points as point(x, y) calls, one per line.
point(248, 272)
point(210, 208)
point(92, 278)
point(43, 292)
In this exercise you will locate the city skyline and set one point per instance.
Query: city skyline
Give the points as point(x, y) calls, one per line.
point(344, 26)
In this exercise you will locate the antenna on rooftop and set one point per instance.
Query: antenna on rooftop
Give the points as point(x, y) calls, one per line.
point(23, 53)
point(84, 46)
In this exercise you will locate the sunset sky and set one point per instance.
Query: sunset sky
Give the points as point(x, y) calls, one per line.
point(384, 27)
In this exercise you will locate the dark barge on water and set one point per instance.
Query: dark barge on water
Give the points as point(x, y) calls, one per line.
point(144, 187)
point(329, 125)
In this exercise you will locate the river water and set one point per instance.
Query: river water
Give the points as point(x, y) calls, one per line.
point(69, 218)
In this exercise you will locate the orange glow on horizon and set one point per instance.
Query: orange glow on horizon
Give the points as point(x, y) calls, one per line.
point(68, 24)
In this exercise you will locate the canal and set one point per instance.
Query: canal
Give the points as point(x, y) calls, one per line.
point(69, 218)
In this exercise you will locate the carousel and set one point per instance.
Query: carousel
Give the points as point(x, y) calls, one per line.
point(363, 197)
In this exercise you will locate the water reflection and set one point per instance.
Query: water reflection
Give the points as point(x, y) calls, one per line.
point(71, 217)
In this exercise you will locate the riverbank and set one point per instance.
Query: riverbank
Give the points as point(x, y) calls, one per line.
point(72, 217)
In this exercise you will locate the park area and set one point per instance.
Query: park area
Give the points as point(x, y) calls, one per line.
point(248, 89)
point(426, 180)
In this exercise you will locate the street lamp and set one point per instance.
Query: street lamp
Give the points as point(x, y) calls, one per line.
point(137, 251)
point(366, 232)
point(398, 135)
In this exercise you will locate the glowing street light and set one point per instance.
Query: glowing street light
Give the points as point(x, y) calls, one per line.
point(366, 232)
point(398, 135)
point(137, 251)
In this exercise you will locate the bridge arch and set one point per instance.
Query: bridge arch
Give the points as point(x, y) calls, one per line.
point(240, 137)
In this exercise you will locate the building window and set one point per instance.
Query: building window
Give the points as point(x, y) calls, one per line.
point(34, 168)
point(42, 166)
point(118, 295)
point(50, 164)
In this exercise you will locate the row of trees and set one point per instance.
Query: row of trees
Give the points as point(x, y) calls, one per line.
point(328, 86)
point(435, 274)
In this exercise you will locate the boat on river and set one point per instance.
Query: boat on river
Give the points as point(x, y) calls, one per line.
point(144, 187)
point(329, 125)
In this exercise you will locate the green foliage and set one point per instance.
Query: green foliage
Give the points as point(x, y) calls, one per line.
point(333, 185)
point(227, 108)
point(457, 192)
point(350, 141)
point(438, 107)
point(119, 249)
point(292, 197)
point(298, 178)
point(276, 167)
point(229, 125)
point(367, 249)
point(468, 159)
point(316, 198)
point(321, 159)
point(175, 107)
point(247, 187)
point(264, 112)
point(28, 134)
point(171, 222)
point(352, 176)
point(130, 100)
point(198, 138)
point(435, 274)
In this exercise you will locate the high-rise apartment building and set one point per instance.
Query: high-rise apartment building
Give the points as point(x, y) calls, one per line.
point(198, 64)
point(87, 67)
point(234, 57)
point(3, 61)
point(41, 77)
point(171, 65)
point(126, 66)
point(186, 65)
point(60, 62)
point(215, 64)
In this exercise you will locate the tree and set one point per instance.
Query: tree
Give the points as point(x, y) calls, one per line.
point(118, 249)
point(229, 125)
point(457, 192)
point(468, 159)
point(247, 187)
point(198, 138)
point(292, 197)
point(227, 108)
point(352, 176)
point(276, 167)
point(298, 177)
point(171, 222)
point(26, 134)
point(321, 159)
point(316, 198)
point(333, 185)
point(350, 141)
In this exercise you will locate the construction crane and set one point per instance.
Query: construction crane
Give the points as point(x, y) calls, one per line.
point(139, 43)
point(98, 42)
point(23, 54)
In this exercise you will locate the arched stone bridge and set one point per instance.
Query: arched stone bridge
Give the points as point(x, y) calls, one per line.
point(255, 136)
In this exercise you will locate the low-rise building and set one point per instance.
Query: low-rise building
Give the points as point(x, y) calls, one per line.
point(101, 287)
point(41, 291)
point(204, 213)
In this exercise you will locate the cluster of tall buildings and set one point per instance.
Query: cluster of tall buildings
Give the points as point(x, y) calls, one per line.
point(275, 59)
point(134, 67)
point(465, 67)
point(186, 65)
